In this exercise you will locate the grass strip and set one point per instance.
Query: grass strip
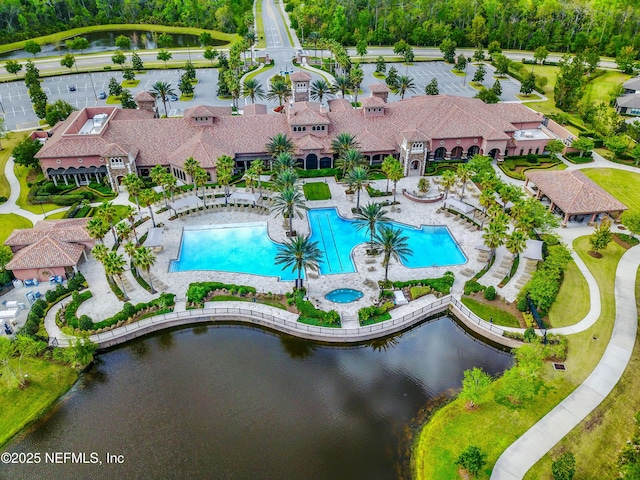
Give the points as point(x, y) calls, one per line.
point(316, 191)
point(487, 312)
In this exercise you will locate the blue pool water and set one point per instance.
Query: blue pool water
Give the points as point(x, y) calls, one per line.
point(433, 246)
point(242, 248)
point(247, 248)
point(344, 295)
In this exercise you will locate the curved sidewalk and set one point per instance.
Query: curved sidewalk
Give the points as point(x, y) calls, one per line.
point(516, 460)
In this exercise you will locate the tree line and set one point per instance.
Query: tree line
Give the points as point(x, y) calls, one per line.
point(605, 25)
point(24, 19)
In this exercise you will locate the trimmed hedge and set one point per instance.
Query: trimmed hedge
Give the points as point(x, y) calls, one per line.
point(442, 284)
point(198, 291)
point(309, 311)
point(471, 286)
point(71, 309)
point(374, 192)
point(373, 314)
point(322, 172)
point(417, 292)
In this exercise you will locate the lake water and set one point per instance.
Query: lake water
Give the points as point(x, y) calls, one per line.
point(237, 402)
point(105, 41)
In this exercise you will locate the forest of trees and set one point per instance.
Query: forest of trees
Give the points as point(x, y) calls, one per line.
point(559, 25)
point(24, 19)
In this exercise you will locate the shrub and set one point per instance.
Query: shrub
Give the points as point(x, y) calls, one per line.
point(564, 467)
point(471, 286)
point(198, 291)
point(490, 293)
point(472, 459)
point(530, 336)
point(442, 284)
point(417, 292)
point(521, 303)
point(85, 323)
point(308, 310)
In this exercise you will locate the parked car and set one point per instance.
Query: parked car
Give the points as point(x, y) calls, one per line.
point(102, 96)
point(7, 329)
point(172, 98)
point(72, 88)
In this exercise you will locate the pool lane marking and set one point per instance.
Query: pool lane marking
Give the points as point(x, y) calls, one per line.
point(334, 243)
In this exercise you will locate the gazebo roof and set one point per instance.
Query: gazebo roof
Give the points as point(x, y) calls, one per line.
point(574, 193)
point(533, 250)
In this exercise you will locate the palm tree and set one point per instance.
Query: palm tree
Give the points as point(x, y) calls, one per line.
point(124, 231)
point(299, 254)
point(191, 165)
point(342, 83)
point(486, 200)
point(170, 184)
point(395, 174)
point(280, 143)
point(388, 164)
point(258, 167)
point(393, 244)
point(448, 180)
point(279, 90)
point(344, 142)
point(284, 161)
point(107, 212)
point(251, 38)
point(320, 89)
point(516, 242)
point(158, 174)
point(163, 90)
point(314, 37)
point(224, 173)
point(114, 267)
point(144, 258)
point(357, 179)
point(509, 193)
point(494, 235)
point(201, 177)
point(147, 197)
point(349, 160)
point(369, 217)
point(97, 228)
point(405, 84)
point(464, 173)
point(129, 248)
point(290, 202)
point(129, 213)
point(250, 177)
point(133, 184)
point(252, 88)
point(355, 77)
point(99, 252)
point(286, 178)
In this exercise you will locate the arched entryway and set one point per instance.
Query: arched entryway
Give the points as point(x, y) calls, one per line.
point(311, 162)
point(494, 153)
point(300, 163)
point(326, 162)
point(440, 153)
point(456, 153)
point(474, 150)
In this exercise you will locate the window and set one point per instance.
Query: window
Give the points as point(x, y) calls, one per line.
point(117, 162)
point(417, 147)
point(634, 111)
point(522, 151)
point(144, 172)
point(530, 151)
point(537, 150)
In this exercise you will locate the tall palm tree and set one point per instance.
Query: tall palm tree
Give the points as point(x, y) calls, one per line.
point(224, 173)
point(486, 200)
point(170, 184)
point(342, 83)
point(516, 242)
point(369, 217)
point(320, 89)
point(191, 165)
point(280, 143)
point(388, 164)
point(107, 212)
point(344, 142)
point(464, 174)
point(129, 213)
point(357, 179)
point(163, 90)
point(251, 38)
point(147, 197)
point(286, 178)
point(494, 235)
point(250, 177)
point(279, 90)
point(133, 183)
point(99, 252)
point(97, 228)
point(158, 174)
point(448, 181)
point(405, 84)
point(144, 258)
point(114, 264)
point(289, 202)
point(283, 161)
point(349, 160)
point(124, 231)
point(396, 173)
point(509, 193)
point(201, 177)
point(393, 244)
point(314, 37)
point(252, 89)
point(258, 167)
point(299, 254)
point(355, 77)
point(129, 248)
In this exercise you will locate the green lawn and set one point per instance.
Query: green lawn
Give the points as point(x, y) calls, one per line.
point(316, 191)
point(22, 173)
point(611, 420)
point(486, 312)
point(130, 84)
point(262, 43)
point(625, 186)
point(233, 298)
point(11, 221)
point(21, 407)
point(599, 89)
point(57, 215)
point(493, 427)
point(7, 144)
point(572, 303)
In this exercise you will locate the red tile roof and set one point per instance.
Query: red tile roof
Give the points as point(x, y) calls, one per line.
point(379, 88)
point(46, 253)
point(70, 230)
point(300, 76)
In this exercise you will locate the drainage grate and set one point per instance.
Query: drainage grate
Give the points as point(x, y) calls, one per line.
point(559, 366)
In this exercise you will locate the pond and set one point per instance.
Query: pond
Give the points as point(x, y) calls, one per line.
point(106, 41)
point(237, 402)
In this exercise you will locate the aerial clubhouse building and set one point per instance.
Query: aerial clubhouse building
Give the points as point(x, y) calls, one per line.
point(99, 142)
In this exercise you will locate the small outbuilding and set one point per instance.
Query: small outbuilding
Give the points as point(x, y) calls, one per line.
point(573, 193)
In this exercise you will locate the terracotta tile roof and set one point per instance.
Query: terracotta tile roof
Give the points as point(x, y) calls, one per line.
point(206, 111)
point(255, 109)
point(202, 147)
point(574, 193)
point(144, 96)
point(113, 150)
point(306, 116)
point(70, 230)
point(300, 76)
point(373, 102)
point(309, 142)
point(514, 112)
point(379, 88)
point(47, 252)
point(339, 105)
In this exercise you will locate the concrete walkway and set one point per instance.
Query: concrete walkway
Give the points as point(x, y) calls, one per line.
point(538, 440)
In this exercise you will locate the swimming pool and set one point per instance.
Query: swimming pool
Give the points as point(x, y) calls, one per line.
point(247, 247)
point(433, 246)
point(242, 248)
